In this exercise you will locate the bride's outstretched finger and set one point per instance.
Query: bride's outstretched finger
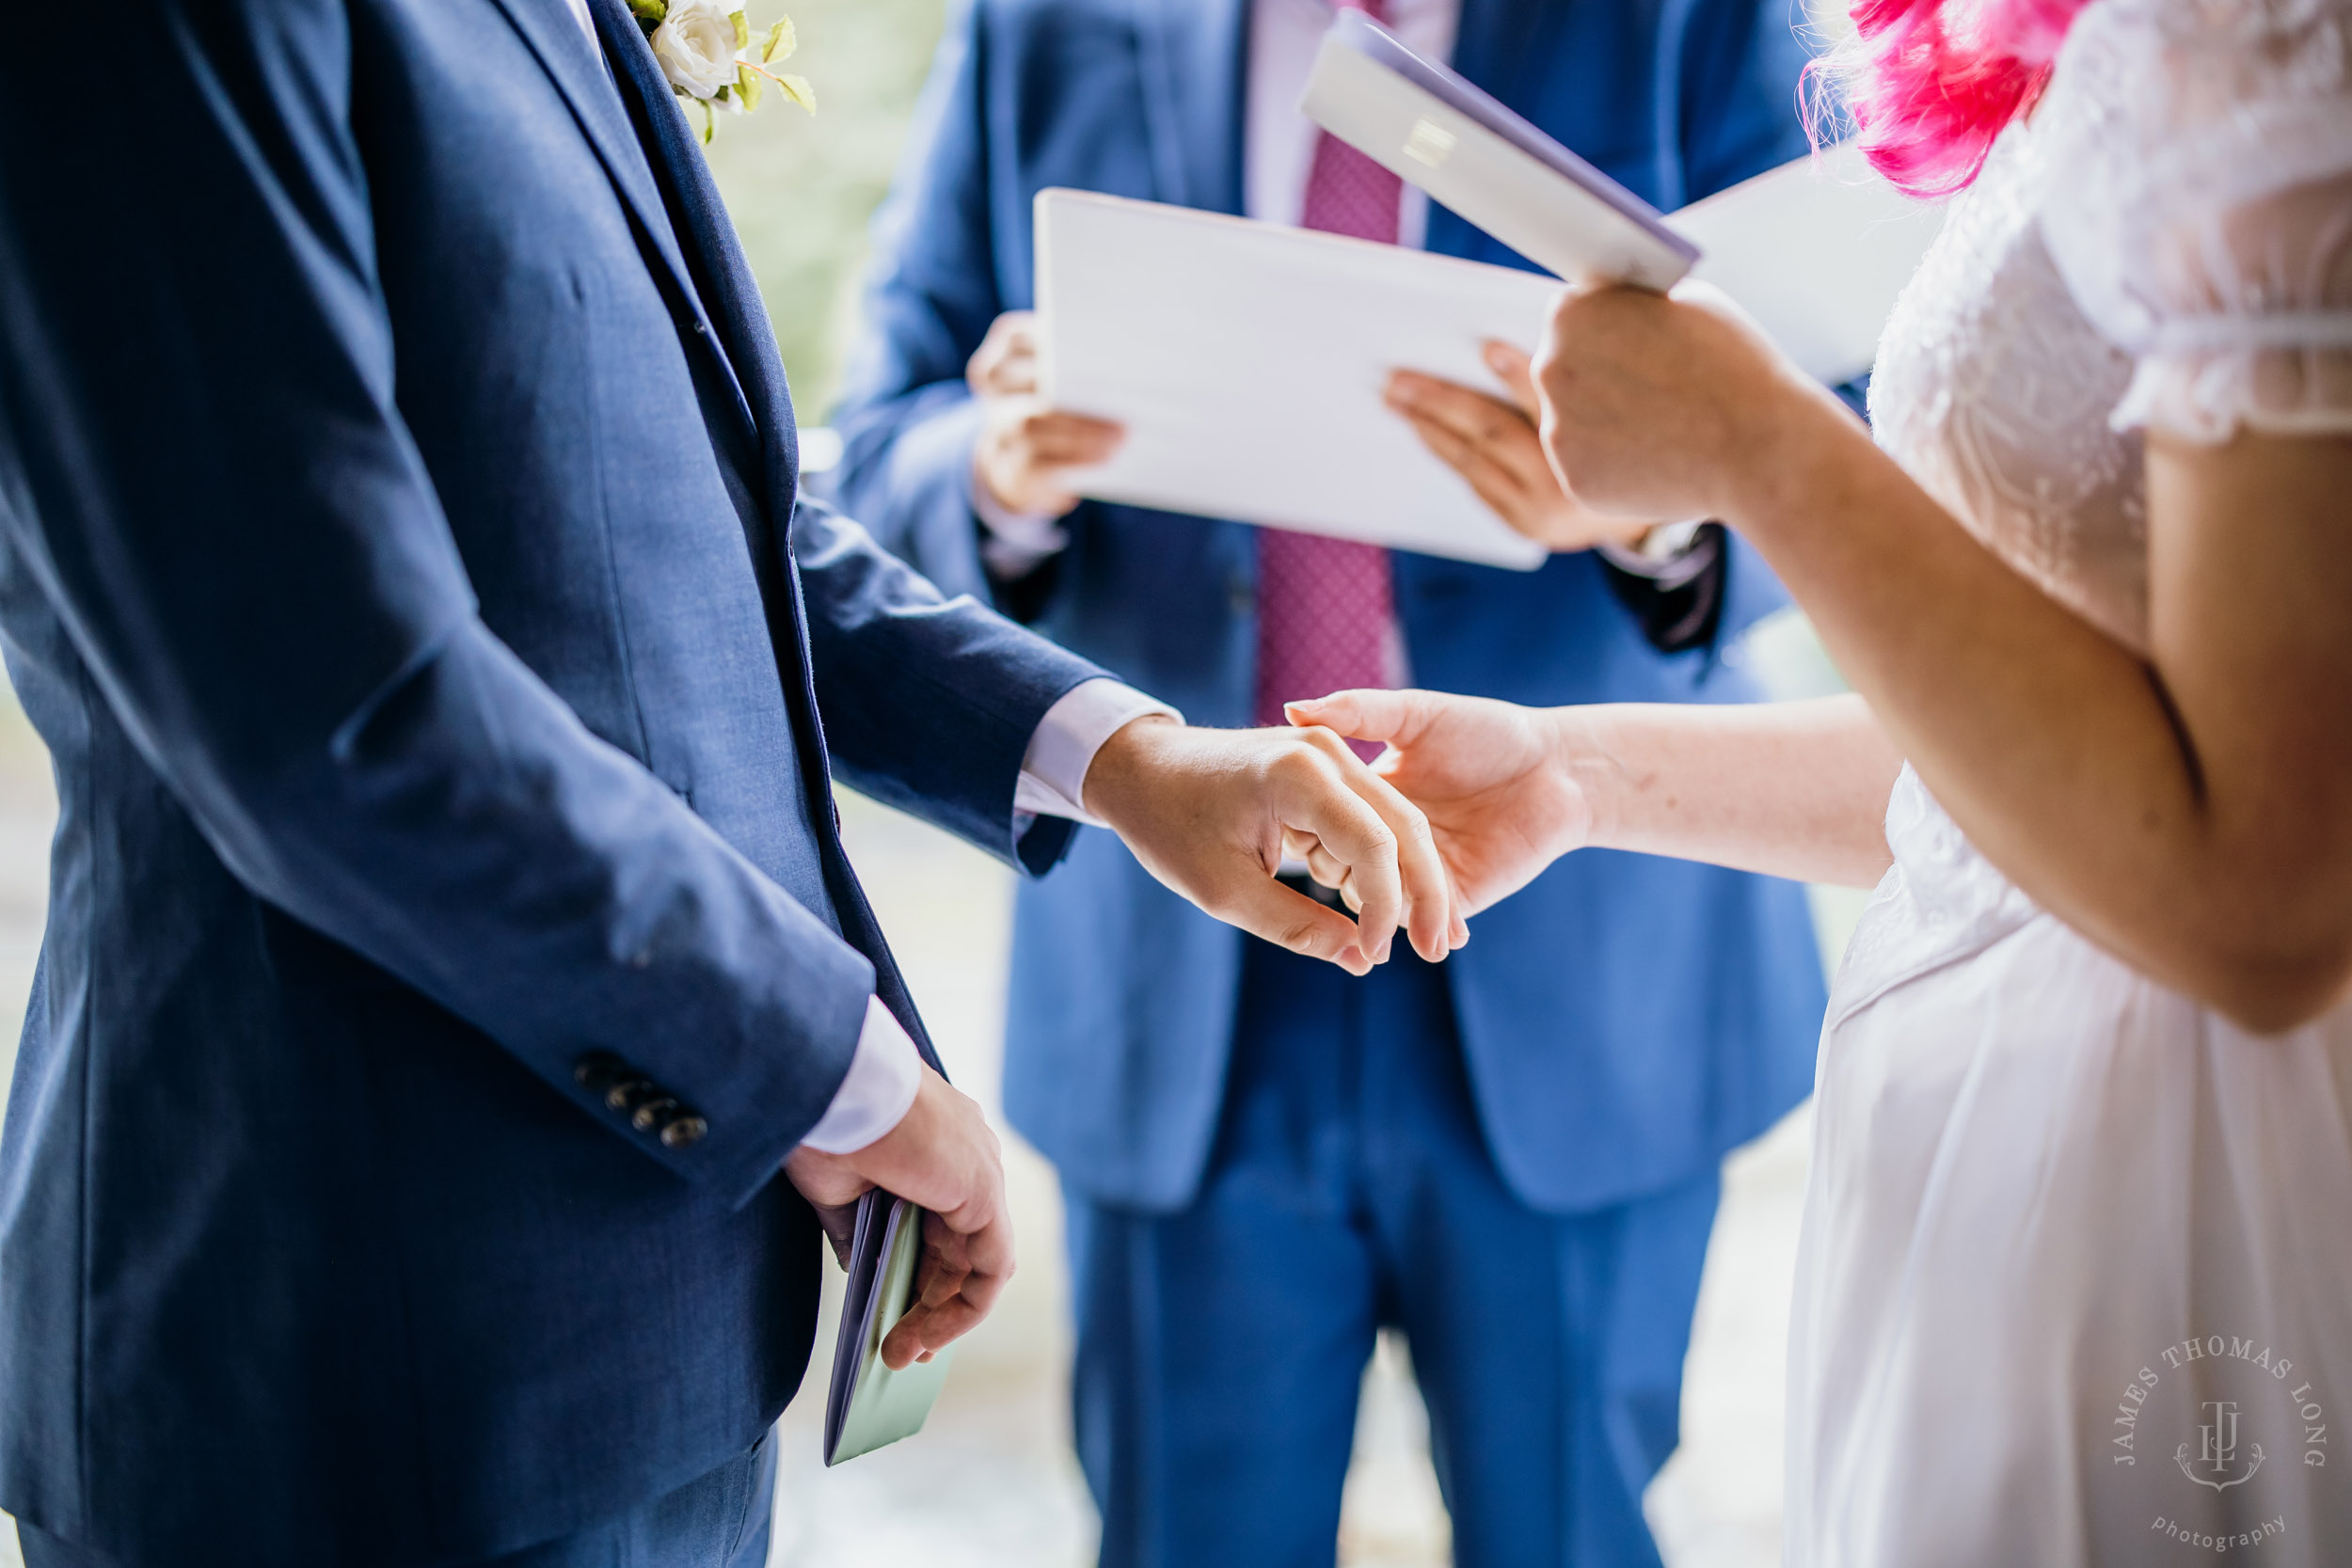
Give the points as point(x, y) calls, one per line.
point(1394, 718)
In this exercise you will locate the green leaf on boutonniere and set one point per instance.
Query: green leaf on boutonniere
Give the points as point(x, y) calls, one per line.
point(649, 10)
point(780, 43)
point(797, 89)
point(710, 120)
point(742, 29)
point(747, 87)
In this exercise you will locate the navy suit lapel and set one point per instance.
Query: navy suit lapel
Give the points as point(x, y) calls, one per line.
point(1194, 55)
point(548, 28)
point(721, 279)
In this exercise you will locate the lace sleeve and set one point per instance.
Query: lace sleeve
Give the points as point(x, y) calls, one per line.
point(2203, 211)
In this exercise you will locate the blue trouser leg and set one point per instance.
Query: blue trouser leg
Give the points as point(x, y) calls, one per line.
point(1220, 1348)
point(718, 1520)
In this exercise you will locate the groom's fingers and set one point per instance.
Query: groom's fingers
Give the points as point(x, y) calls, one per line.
point(1272, 913)
point(1317, 793)
point(1427, 889)
point(957, 1286)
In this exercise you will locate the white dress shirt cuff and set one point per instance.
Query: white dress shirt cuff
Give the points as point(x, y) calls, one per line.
point(1017, 543)
point(877, 1090)
point(1054, 773)
point(1664, 555)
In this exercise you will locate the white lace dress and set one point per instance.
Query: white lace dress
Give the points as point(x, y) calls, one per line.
point(2077, 1283)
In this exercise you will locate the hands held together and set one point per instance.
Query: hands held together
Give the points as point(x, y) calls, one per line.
point(1211, 813)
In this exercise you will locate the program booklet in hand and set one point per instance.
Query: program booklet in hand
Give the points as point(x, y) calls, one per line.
point(868, 1405)
point(1816, 250)
point(1433, 129)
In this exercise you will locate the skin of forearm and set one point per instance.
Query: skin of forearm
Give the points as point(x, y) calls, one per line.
point(1788, 789)
point(2188, 811)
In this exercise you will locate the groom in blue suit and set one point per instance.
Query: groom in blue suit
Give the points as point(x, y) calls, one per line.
point(456, 1008)
point(1512, 1158)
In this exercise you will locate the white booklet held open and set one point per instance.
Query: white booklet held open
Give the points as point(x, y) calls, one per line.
point(1246, 362)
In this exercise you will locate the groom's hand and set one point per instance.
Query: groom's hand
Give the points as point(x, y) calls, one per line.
point(943, 1157)
point(1207, 811)
point(1498, 781)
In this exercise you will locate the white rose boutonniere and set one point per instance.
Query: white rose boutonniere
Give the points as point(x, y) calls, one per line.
point(706, 52)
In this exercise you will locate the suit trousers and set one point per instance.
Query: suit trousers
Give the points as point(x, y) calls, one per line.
point(1221, 1348)
point(718, 1520)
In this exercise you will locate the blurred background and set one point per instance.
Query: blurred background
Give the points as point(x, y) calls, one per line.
point(991, 1482)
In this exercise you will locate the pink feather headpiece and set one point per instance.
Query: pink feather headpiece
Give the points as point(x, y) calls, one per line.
point(1930, 83)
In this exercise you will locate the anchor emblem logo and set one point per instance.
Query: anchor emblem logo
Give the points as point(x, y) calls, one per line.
point(2217, 1454)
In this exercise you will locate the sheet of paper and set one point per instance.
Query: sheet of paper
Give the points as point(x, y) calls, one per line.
point(1247, 361)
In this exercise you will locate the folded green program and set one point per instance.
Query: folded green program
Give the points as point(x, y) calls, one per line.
point(870, 1406)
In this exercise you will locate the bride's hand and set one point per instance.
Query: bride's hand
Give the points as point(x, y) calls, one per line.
point(1667, 406)
point(1491, 777)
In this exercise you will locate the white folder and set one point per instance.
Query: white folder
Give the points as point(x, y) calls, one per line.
point(1246, 362)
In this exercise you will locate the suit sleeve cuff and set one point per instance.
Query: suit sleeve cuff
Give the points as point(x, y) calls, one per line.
point(1013, 544)
point(1062, 748)
point(876, 1092)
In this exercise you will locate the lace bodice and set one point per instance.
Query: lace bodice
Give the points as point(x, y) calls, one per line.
point(2165, 244)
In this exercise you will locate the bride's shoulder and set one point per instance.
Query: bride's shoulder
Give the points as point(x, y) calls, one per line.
point(2205, 58)
point(2188, 97)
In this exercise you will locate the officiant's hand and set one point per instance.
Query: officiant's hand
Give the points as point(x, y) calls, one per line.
point(943, 1157)
point(1492, 443)
point(1026, 449)
point(1496, 780)
point(1207, 811)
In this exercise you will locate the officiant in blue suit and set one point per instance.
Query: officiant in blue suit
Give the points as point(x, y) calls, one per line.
point(1513, 1157)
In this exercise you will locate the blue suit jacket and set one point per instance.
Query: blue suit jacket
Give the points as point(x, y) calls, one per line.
point(394, 470)
point(1627, 1019)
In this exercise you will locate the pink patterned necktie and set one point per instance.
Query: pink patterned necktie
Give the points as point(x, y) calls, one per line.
point(1324, 605)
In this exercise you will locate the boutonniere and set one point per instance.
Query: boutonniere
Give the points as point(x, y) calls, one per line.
point(706, 51)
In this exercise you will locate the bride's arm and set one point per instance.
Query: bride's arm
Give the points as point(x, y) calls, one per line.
point(2192, 810)
point(1791, 789)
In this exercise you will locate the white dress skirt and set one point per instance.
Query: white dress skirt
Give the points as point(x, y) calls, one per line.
point(2077, 1278)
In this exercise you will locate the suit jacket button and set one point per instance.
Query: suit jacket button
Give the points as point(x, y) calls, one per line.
point(682, 1130)
point(653, 1112)
point(597, 1069)
point(630, 1092)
